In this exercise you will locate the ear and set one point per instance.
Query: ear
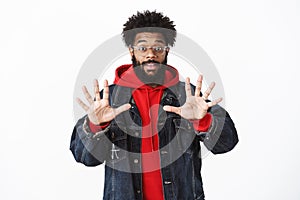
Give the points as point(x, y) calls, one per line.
point(130, 51)
point(168, 49)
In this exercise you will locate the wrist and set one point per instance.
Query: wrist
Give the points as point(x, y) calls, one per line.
point(203, 124)
point(97, 127)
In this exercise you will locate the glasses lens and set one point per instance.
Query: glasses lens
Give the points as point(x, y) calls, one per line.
point(156, 49)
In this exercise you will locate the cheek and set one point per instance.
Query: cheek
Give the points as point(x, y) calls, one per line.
point(162, 58)
point(138, 59)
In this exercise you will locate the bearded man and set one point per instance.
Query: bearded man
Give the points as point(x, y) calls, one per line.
point(147, 126)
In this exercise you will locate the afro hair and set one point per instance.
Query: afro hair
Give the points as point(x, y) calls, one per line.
point(149, 22)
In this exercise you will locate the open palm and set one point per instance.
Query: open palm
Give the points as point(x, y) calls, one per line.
point(195, 106)
point(99, 111)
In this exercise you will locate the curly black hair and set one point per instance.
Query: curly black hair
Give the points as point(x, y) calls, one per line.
point(149, 22)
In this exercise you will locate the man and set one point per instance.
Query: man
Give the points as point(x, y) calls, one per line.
point(148, 125)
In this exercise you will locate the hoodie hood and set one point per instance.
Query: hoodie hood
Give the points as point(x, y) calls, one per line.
point(125, 76)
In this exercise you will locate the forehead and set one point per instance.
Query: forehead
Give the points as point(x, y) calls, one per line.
point(149, 37)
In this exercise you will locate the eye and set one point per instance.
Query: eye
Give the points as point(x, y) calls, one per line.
point(142, 48)
point(158, 49)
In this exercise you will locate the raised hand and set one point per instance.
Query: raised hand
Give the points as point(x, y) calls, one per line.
point(195, 106)
point(99, 111)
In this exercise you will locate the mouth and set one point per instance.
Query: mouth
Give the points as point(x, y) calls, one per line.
point(151, 66)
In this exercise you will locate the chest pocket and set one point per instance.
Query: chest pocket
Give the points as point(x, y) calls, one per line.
point(185, 134)
point(118, 146)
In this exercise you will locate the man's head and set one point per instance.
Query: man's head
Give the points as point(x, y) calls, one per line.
point(149, 22)
point(148, 36)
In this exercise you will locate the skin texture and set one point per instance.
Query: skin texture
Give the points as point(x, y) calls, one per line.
point(195, 108)
point(149, 40)
point(149, 66)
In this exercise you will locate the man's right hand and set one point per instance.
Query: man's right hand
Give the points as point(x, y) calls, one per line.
point(99, 111)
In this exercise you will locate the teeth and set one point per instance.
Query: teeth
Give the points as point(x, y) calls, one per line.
point(151, 66)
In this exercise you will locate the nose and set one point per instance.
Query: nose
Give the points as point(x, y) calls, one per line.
point(150, 54)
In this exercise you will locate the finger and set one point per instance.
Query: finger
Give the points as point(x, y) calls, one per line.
point(85, 107)
point(105, 90)
point(208, 91)
point(215, 102)
point(188, 91)
point(173, 109)
point(96, 90)
point(199, 85)
point(121, 109)
point(87, 95)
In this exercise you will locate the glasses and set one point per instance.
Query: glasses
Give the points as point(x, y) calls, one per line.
point(156, 49)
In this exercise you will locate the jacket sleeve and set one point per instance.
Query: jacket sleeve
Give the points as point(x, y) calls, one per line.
point(222, 136)
point(87, 147)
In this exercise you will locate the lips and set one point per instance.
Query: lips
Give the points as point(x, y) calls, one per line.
point(151, 66)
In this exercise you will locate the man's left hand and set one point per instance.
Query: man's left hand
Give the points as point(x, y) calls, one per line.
point(195, 107)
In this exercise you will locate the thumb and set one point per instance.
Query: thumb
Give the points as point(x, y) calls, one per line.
point(172, 109)
point(122, 108)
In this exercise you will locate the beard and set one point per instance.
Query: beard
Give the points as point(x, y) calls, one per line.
point(156, 79)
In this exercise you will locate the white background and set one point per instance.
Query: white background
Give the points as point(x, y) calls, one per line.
point(254, 44)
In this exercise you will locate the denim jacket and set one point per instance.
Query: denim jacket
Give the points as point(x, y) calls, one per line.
point(119, 145)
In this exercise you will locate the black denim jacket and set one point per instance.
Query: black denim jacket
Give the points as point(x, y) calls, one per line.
point(119, 145)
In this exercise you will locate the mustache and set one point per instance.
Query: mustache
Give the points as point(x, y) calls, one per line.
point(150, 61)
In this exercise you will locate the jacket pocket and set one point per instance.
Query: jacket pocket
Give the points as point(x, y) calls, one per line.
point(185, 134)
point(118, 147)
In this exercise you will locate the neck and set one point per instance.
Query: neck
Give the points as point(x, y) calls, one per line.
point(154, 85)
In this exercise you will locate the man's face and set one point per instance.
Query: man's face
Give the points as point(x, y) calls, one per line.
point(149, 60)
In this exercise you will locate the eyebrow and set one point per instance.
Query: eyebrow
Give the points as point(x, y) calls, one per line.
point(159, 41)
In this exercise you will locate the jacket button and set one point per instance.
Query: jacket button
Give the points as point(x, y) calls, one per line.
point(163, 152)
point(189, 126)
point(161, 123)
point(138, 191)
point(136, 133)
point(167, 182)
point(136, 161)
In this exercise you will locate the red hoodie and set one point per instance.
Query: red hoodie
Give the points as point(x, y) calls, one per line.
point(147, 100)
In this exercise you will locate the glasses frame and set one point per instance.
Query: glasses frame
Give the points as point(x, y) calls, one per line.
point(137, 48)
